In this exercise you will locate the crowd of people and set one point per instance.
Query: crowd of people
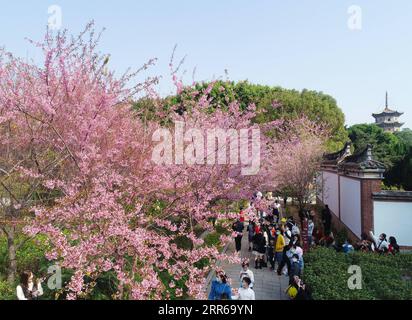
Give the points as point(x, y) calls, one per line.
point(369, 242)
point(277, 242)
point(274, 242)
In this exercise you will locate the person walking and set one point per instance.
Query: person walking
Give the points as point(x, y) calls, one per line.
point(251, 233)
point(259, 249)
point(285, 201)
point(287, 234)
point(238, 227)
point(242, 215)
point(279, 247)
point(271, 246)
point(276, 211)
point(326, 219)
point(285, 258)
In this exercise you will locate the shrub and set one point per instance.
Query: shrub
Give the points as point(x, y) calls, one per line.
point(341, 237)
point(383, 277)
point(7, 292)
point(212, 239)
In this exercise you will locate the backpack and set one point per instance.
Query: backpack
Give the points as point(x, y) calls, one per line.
point(292, 292)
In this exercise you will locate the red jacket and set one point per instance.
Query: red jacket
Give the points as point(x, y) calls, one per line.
point(242, 216)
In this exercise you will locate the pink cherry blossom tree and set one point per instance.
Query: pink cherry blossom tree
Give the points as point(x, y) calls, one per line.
point(77, 164)
point(298, 157)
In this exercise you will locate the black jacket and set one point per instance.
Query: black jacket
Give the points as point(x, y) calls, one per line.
point(326, 216)
point(238, 226)
point(259, 243)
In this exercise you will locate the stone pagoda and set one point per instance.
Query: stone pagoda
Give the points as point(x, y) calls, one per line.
point(388, 119)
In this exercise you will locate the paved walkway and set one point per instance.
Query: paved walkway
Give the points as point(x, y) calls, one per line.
point(268, 285)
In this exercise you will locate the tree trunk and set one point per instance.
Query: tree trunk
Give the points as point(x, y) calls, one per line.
point(12, 260)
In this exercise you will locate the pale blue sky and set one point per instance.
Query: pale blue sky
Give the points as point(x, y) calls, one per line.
point(294, 44)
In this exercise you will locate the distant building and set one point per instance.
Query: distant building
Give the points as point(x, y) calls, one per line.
point(388, 119)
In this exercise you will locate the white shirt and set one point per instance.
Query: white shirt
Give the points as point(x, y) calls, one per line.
point(287, 237)
point(248, 273)
point(295, 230)
point(311, 226)
point(246, 294)
point(379, 244)
point(20, 292)
point(265, 235)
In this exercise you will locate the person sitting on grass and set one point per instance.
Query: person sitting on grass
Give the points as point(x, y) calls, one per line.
point(381, 244)
point(328, 241)
point(364, 245)
point(393, 247)
point(347, 247)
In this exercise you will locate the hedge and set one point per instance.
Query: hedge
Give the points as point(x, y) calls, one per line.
point(384, 277)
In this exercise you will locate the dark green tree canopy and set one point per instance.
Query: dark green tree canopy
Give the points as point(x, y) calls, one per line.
point(401, 174)
point(387, 148)
point(394, 150)
point(317, 106)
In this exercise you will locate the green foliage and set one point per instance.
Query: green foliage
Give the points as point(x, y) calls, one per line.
point(317, 106)
point(183, 242)
point(383, 277)
point(401, 173)
point(212, 239)
point(105, 287)
point(220, 229)
point(406, 137)
point(341, 237)
point(7, 292)
point(30, 255)
point(391, 188)
point(394, 150)
point(386, 146)
point(3, 257)
point(170, 293)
